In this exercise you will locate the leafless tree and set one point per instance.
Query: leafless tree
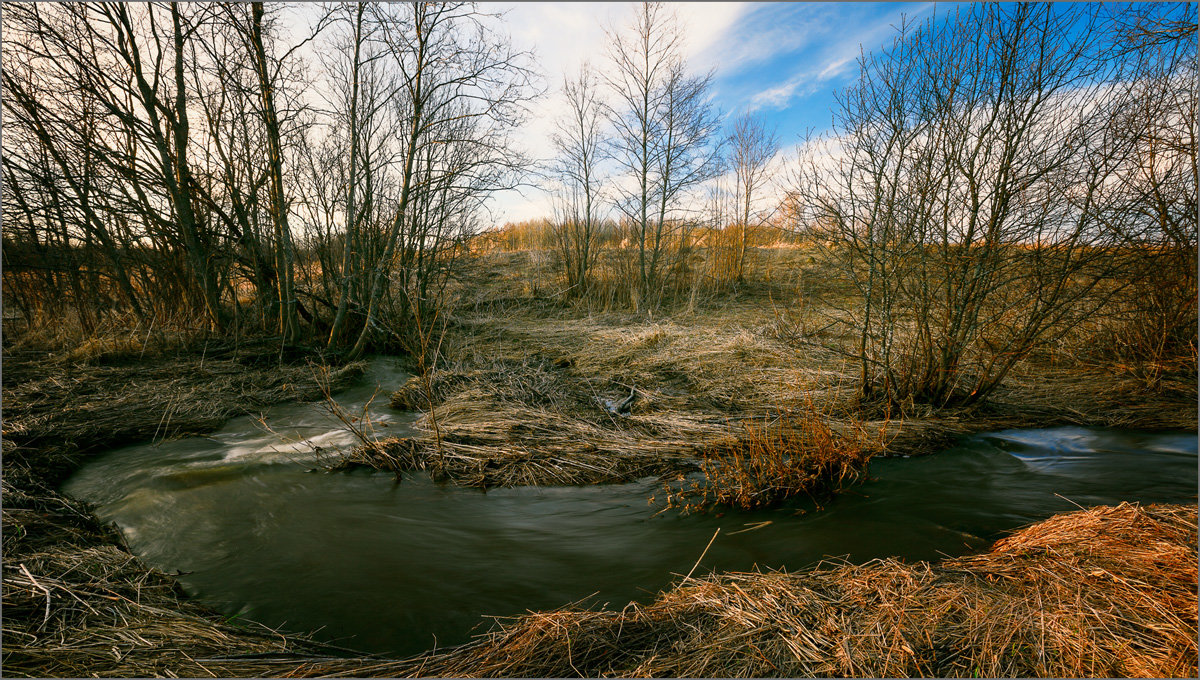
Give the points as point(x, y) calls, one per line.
point(289, 325)
point(663, 127)
point(357, 151)
point(751, 149)
point(128, 64)
point(1157, 45)
point(579, 139)
point(462, 91)
point(176, 142)
point(969, 188)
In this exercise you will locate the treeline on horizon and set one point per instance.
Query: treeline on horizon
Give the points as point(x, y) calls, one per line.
point(993, 177)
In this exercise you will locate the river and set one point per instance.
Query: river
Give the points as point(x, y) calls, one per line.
point(253, 530)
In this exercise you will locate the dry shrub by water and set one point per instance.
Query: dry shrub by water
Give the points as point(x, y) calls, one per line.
point(795, 453)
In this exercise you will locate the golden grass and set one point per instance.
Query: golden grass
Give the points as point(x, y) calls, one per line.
point(791, 454)
point(1105, 592)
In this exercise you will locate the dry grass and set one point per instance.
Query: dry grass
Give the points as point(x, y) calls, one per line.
point(81, 609)
point(520, 399)
point(1105, 592)
point(792, 454)
point(528, 401)
point(75, 601)
point(55, 412)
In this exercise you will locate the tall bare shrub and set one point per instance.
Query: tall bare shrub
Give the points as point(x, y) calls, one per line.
point(969, 189)
point(663, 128)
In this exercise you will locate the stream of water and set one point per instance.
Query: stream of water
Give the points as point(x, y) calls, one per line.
point(396, 568)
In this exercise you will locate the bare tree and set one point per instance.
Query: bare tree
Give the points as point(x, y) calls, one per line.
point(226, 90)
point(579, 139)
point(175, 140)
point(688, 157)
point(751, 149)
point(663, 124)
point(462, 91)
point(129, 63)
point(968, 187)
point(363, 97)
point(1157, 318)
point(289, 325)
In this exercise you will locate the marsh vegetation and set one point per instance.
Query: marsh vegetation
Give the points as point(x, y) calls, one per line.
point(209, 210)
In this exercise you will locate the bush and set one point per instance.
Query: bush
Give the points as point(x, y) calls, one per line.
point(772, 461)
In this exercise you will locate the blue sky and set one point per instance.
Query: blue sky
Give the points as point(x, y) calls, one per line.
point(783, 61)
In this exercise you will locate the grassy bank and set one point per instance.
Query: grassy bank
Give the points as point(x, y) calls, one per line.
point(535, 390)
point(1105, 592)
point(525, 390)
point(76, 602)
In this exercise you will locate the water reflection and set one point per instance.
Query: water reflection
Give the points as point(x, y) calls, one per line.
point(395, 568)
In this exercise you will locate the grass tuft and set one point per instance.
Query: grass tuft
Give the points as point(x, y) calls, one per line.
point(795, 453)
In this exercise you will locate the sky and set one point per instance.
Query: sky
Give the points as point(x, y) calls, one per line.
point(782, 61)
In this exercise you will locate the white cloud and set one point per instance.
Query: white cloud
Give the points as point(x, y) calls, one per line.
point(832, 63)
point(707, 24)
point(763, 31)
point(565, 35)
point(779, 96)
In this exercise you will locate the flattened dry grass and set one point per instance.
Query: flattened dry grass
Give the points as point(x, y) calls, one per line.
point(76, 602)
point(1105, 592)
point(530, 400)
point(77, 610)
point(550, 417)
point(54, 413)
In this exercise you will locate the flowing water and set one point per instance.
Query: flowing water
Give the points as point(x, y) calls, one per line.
point(399, 567)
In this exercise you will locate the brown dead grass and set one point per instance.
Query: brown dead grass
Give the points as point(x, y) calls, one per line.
point(76, 602)
point(520, 399)
point(793, 454)
point(89, 608)
point(1106, 592)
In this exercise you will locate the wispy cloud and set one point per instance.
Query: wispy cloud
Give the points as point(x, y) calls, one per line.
point(781, 95)
point(563, 37)
point(834, 55)
point(780, 59)
point(762, 32)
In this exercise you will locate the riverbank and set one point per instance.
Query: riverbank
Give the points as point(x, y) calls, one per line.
point(1105, 592)
point(535, 390)
point(531, 391)
point(76, 602)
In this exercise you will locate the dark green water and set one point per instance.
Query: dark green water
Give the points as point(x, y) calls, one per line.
point(394, 568)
